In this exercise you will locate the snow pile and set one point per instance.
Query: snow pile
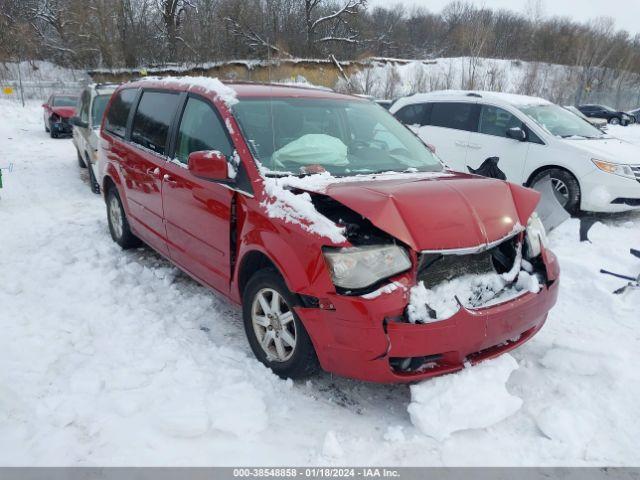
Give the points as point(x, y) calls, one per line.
point(298, 209)
point(208, 84)
point(473, 398)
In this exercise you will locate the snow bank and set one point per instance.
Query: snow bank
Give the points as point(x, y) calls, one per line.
point(473, 398)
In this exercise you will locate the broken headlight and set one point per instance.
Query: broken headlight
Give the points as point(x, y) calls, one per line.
point(360, 267)
point(536, 236)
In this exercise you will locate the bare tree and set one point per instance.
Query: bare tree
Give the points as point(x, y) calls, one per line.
point(323, 27)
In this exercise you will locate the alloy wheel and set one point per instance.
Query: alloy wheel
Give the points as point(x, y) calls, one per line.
point(273, 325)
point(560, 190)
point(115, 216)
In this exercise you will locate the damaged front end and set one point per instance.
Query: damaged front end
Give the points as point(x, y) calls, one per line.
point(404, 309)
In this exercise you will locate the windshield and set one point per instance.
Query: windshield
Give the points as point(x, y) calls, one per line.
point(560, 122)
point(302, 135)
point(65, 101)
point(97, 110)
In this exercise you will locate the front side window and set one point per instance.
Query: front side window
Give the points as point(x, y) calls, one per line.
point(201, 129)
point(343, 137)
point(560, 122)
point(459, 116)
point(116, 121)
point(65, 101)
point(412, 114)
point(97, 109)
point(152, 120)
point(497, 121)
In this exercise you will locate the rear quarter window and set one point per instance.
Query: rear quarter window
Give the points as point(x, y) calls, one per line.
point(116, 121)
point(152, 120)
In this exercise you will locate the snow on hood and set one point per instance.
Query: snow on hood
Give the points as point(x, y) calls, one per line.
point(286, 205)
point(431, 211)
point(209, 84)
point(608, 149)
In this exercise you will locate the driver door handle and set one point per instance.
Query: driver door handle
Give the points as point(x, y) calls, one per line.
point(460, 143)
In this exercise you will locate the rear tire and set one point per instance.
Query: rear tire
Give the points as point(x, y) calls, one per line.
point(565, 184)
point(46, 126)
point(118, 223)
point(53, 134)
point(276, 328)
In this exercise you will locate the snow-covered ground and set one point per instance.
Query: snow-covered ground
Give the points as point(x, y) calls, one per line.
point(117, 358)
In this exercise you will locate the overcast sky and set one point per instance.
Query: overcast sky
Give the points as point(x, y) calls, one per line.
point(626, 13)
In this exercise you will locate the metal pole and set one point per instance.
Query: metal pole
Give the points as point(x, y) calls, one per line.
point(20, 81)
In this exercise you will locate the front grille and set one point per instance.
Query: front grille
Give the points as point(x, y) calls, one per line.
point(636, 171)
point(436, 269)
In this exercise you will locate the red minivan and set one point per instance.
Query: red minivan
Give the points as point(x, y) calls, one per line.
point(347, 242)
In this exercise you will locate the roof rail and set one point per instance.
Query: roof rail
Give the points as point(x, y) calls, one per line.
point(474, 94)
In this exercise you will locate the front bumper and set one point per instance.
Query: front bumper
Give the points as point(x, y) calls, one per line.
point(605, 192)
point(62, 127)
point(360, 337)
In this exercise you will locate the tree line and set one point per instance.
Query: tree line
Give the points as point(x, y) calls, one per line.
point(132, 33)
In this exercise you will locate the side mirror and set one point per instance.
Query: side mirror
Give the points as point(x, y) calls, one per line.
point(78, 123)
point(517, 133)
point(209, 165)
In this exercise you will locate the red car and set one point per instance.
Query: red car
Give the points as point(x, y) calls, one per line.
point(348, 244)
point(58, 110)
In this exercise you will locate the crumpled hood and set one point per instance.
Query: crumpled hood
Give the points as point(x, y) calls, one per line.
point(446, 212)
point(609, 149)
point(64, 112)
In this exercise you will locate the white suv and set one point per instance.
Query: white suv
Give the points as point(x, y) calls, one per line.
point(533, 138)
point(86, 126)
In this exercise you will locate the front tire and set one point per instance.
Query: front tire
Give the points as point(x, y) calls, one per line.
point(93, 183)
point(615, 121)
point(565, 187)
point(274, 331)
point(118, 223)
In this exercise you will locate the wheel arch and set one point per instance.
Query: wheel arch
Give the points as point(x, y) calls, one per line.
point(543, 168)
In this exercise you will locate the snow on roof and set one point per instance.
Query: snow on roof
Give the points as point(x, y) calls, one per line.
point(471, 95)
point(213, 85)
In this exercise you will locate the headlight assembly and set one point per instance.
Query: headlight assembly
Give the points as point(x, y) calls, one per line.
point(615, 168)
point(536, 236)
point(361, 267)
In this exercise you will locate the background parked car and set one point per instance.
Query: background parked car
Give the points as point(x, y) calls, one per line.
point(596, 122)
point(635, 114)
point(614, 117)
point(534, 139)
point(86, 125)
point(58, 109)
